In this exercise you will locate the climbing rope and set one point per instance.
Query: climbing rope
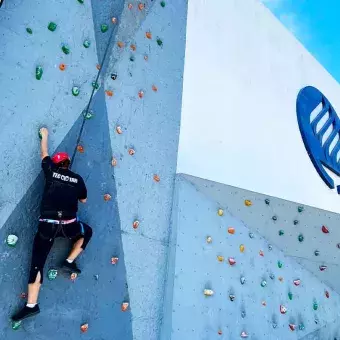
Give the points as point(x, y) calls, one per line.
point(91, 97)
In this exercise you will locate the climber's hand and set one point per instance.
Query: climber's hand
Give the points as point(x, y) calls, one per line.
point(44, 132)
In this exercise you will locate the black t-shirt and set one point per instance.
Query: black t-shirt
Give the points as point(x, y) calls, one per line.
point(63, 189)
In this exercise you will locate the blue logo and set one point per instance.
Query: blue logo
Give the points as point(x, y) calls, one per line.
point(319, 126)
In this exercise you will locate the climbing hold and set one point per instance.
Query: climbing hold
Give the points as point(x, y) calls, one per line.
point(281, 232)
point(208, 292)
point(300, 209)
point(62, 67)
point(280, 278)
point(279, 264)
point(86, 43)
point(141, 94)
point(301, 326)
point(16, 325)
point(88, 114)
point(301, 238)
point(141, 6)
point(104, 28)
point(96, 277)
point(231, 230)
point(114, 20)
point(107, 197)
point(274, 218)
point(274, 324)
point(323, 267)
point(272, 276)
point(220, 258)
point(114, 260)
point(130, 6)
point(95, 85)
point(109, 93)
point(38, 72)
point(98, 67)
point(29, 30)
point(65, 49)
point(125, 306)
point(113, 76)
point(261, 253)
point(133, 47)
point(338, 245)
point(75, 91)
point(292, 327)
point(113, 161)
point(248, 203)
point(220, 212)
point(73, 277)
point(23, 296)
point(231, 261)
point(52, 26)
point(242, 248)
point(159, 42)
point(264, 303)
point(263, 283)
point(12, 240)
point(135, 224)
point(132, 58)
point(81, 1)
point(283, 309)
point(52, 274)
point(243, 314)
point(154, 88)
point(231, 297)
point(163, 4)
point(251, 235)
point(146, 58)
point(156, 178)
point(244, 335)
point(80, 148)
point(209, 239)
point(242, 280)
point(316, 252)
point(297, 282)
point(290, 296)
point(148, 35)
point(131, 152)
point(327, 294)
point(315, 305)
point(119, 130)
point(296, 222)
point(267, 201)
point(84, 327)
point(120, 44)
point(325, 229)
point(316, 320)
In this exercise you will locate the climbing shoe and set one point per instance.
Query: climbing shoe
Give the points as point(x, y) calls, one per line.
point(26, 312)
point(72, 267)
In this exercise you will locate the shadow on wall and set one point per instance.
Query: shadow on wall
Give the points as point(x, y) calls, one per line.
point(65, 305)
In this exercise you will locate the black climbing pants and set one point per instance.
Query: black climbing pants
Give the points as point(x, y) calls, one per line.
point(44, 239)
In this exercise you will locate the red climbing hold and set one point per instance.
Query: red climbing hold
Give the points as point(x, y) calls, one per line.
point(327, 294)
point(231, 230)
point(154, 88)
point(80, 148)
point(109, 93)
point(135, 224)
point(114, 260)
point(231, 261)
point(292, 327)
point(283, 309)
point(131, 152)
point(297, 282)
point(84, 327)
point(125, 306)
point(323, 267)
point(148, 35)
point(107, 197)
point(119, 130)
point(141, 94)
point(325, 229)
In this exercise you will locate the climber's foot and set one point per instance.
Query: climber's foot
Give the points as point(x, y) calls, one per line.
point(72, 267)
point(26, 312)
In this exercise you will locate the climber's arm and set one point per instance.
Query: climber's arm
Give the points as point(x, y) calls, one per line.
point(44, 143)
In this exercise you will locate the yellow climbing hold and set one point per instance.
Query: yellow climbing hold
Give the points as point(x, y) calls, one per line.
point(220, 258)
point(208, 292)
point(248, 203)
point(242, 248)
point(209, 239)
point(220, 212)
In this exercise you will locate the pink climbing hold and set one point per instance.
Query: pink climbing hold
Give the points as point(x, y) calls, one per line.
point(244, 335)
point(131, 152)
point(325, 230)
point(23, 296)
point(292, 327)
point(261, 253)
point(297, 282)
point(231, 261)
point(130, 6)
point(323, 267)
point(327, 294)
point(107, 197)
point(283, 309)
point(114, 260)
point(141, 94)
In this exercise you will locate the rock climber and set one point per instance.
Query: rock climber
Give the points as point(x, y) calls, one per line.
point(58, 218)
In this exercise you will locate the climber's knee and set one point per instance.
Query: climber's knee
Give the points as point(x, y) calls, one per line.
point(36, 275)
point(86, 234)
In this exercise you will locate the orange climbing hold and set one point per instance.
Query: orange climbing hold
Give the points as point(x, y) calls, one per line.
point(248, 203)
point(80, 148)
point(135, 224)
point(120, 44)
point(114, 20)
point(109, 93)
point(154, 88)
point(107, 197)
point(141, 94)
point(113, 161)
point(62, 67)
point(156, 178)
point(125, 306)
point(231, 230)
point(114, 260)
point(141, 6)
point(131, 152)
point(119, 130)
point(148, 35)
point(133, 47)
point(84, 327)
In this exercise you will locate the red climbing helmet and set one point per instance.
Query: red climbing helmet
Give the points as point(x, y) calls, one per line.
point(60, 157)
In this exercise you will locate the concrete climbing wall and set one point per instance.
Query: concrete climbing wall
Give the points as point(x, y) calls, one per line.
point(248, 294)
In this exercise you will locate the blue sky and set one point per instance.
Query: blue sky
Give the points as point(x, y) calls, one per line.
point(316, 24)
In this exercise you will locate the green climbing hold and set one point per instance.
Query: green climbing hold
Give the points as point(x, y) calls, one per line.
point(300, 209)
point(296, 222)
point(81, 1)
point(159, 42)
point(65, 49)
point(95, 85)
point(290, 296)
point(163, 4)
point(274, 218)
point(279, 264)
point(301, 326)
point(272, 276)
point(317, 253)
point(16, 325)
point(29, 30)
point(75, 91)
point(52, 26)
point(38, 72)
point(281, 232)
point(301, 238)
point(52, 274)
point(251, 235)
point(315, 306)
point(39, 134)
point(87, 43)
point(12, 240)
point(104, 28)
point(267, 201)
point(263, 283)
point(88, 115)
